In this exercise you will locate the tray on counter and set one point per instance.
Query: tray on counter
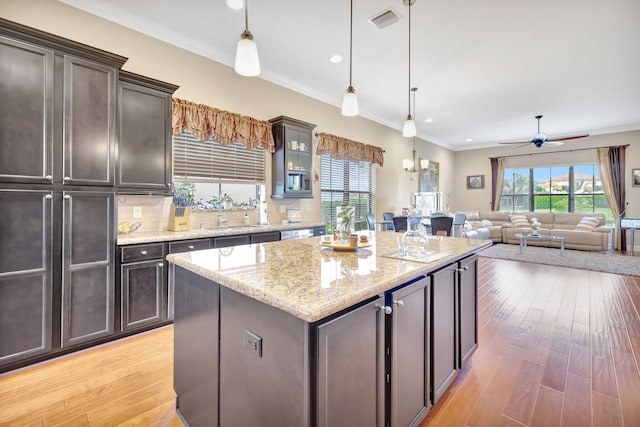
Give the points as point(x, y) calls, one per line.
point(345, 247)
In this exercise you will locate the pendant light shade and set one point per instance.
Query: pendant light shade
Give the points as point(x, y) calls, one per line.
point(350, 99)
point(247, 60)
point(235, 4)
point(409, 127)
point(350, 103)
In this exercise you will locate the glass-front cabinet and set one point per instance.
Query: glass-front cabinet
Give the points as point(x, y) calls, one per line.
point(292, 159)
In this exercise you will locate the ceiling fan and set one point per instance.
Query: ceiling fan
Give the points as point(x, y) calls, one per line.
point(541, 139)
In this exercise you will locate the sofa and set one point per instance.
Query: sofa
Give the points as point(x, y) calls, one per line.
point(585, 232)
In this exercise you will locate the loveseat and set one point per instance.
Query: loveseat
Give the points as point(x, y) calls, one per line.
point(584, 232)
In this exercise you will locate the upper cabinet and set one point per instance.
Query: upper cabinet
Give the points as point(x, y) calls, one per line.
point(58, 115)
point(292, 160)
point(144, 134)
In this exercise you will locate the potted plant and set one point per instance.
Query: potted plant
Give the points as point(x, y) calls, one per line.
point(344, 223)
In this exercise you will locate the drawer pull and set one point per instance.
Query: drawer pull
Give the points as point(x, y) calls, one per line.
point(66, 178)
point(399, 303)
point(143, 252)
point(48, 177)
point(48, 196)
point(386, 309)
point(67, 197)
point(160, 265)
point(191, 247)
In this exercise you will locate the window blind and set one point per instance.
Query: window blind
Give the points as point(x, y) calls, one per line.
point(210, 161)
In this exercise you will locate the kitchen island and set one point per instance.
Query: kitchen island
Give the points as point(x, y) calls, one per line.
point(294, 334)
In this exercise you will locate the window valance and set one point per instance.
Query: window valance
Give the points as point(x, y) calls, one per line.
point(345, 149)
point(225, 127)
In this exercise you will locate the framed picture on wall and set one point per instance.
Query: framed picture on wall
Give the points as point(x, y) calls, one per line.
point(475, 182)
point(635, 177)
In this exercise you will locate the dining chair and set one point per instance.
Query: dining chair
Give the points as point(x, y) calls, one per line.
point(400, 223)
point(458, 224)
point(441, 223)
point(388, 216)
point(371, 220)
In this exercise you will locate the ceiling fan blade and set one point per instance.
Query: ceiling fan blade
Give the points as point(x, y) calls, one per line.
point(569, 137)
point(551, 143)
point(515, 142)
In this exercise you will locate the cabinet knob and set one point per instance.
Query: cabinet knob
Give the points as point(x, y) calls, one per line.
point(386, 309)
point(49, 177)
point(160, 265)
point(398, 302)
point(463, 268)
point(48, 197)
point(143, 252)
point(66, 178)
point(67, 197)
point(191, 247)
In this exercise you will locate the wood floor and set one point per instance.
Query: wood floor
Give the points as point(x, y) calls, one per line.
point(558, 347)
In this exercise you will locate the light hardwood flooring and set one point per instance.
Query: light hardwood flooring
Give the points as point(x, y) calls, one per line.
point(558, 347)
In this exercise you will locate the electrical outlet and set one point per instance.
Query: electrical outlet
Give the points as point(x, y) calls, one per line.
point(283, 209)
point(253, 342)
point(137, 212)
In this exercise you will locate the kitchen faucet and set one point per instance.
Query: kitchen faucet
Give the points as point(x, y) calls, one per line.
point(221, 221)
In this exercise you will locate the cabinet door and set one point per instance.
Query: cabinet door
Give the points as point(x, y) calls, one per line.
point(89, 122)
point(25, 274)
point(87, 275)
point(26, 91)
point(142, 296)
point(443, 331)
point(350, 382)
point(297, 162)
point(410, 354)
point(144, 142)
point(468, 308)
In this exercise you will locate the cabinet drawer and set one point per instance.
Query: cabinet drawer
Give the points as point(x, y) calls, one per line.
point(189, 245)
point(142, 252)
point(225, 242)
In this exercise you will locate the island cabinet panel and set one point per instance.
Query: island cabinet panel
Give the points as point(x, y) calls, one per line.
point(444, 326)
point(195, 349)
point(26, 110)
point(410, 353)
point(25, 274)
point(264, 364)
point(351, 368)
point(468, 308)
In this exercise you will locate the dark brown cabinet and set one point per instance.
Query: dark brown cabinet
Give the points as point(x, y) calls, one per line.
point(88, 268)
point(410, 353)
point(292, 160)
point(467, 308)
point(26, 280)
point(144, 134)
point(350, 362)
point(143, 291)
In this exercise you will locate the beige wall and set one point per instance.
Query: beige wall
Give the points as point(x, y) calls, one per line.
point(205, 81)
point(476, 162)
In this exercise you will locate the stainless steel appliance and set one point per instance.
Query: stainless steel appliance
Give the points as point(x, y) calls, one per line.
point(296, 234)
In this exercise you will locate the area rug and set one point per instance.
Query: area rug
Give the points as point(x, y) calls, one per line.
point(583, 260)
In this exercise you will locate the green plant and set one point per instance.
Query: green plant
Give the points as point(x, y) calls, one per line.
point(346, 214)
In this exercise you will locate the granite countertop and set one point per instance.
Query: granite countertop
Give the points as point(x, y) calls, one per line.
point(167, 236)
point(310, 281)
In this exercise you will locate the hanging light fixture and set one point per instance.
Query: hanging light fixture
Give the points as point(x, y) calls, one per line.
point(350, 99)
point(410, 165)
point(409, 127)
point(247, 61)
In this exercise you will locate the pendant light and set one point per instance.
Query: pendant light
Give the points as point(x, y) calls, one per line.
point(411, 165)
point(247, 61)
point(350, 99)
point(409, 128)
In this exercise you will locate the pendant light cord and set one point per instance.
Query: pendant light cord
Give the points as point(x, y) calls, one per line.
point(409, 92)
point(246, 16)
point(350, 42)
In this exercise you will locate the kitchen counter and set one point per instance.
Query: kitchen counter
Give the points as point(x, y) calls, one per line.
point(167, 236)
point(311, 282)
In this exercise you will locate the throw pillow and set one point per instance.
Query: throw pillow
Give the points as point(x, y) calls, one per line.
point(486, 223)
point(587, 223)
point(519, 221)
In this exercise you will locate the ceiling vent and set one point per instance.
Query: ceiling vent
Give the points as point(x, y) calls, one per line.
point(385, 19)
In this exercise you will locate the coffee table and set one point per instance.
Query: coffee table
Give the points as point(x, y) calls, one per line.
point(539, 237)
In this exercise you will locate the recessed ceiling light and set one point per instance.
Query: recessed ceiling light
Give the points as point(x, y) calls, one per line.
point(468, 140)
point(428, 120)
point(235, 4)
point(335, 58)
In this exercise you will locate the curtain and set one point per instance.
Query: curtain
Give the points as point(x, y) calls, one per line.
point(497, 180)
point(206, 122)
point(345, 149)
point(611, 161)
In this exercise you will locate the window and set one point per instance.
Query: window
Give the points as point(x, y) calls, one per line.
point(211, 170)
point(555, 189)
point(346, 182)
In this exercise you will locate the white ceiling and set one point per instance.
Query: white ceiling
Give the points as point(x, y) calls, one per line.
point(483, 68)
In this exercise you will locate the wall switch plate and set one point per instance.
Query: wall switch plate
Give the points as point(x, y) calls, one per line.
point(283, 209)
point(253, 342)
point(137, 212)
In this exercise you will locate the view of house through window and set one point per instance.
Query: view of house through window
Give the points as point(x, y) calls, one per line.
point(346, 183)
point(555, 189)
